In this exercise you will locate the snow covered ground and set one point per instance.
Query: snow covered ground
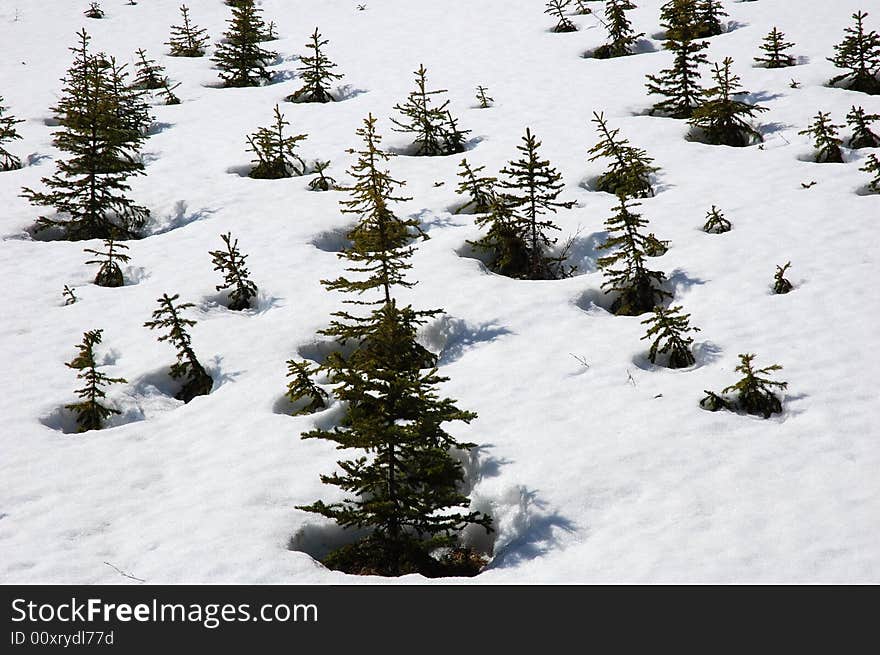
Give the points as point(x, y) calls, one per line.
point(602, 473)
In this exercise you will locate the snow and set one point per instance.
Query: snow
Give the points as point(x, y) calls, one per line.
point(597, 466)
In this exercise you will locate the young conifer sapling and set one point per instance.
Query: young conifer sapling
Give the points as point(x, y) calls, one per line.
point(275, 151)
point(872, 167)
point(858, 55)
point(187, 40)
point(109, 273)
point(558, 9)
point(301, 391)
point(780, 284)
point(630, 170)
point(240, 57)
point(316, 72)
point(322, 182)
point(479, 189)
point(485, 101)
point(680, 84)
point(669, 328)
point(775, 55)
point(435, 131)
point(8, 161)
point(231, 263)
point(90, 411)
point(862, 134)
point(754, 394)
point(825, 139)
point(715, 222)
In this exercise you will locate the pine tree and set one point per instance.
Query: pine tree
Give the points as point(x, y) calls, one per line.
point(872, 167)
point(557, 9)
point(187, 40)
point(825, 139)
point(667, 328)
point(94, 11)
point(301, 389)
point(720, 116)
point(709, 14)
point(90, 412)
point(715, 222)
point(679, 84)
point(533, 186)
point(860, 122)
point(504, 241)
point(322, 182)
point(102, 129)
point(621, 35)
point(168, 94)
point(317, 74)
point(405, 487)
point(484, 100)
point(775, 46)
point(240, 58)
point(276, 155)
point(8, 161)
point(582, 8)
point(479, 189)
point(679, 19)
point(655, 247)
point(150, 75)
point(230, 262)
point(632, 280)
point(429, 123)
point(198, 382)
point(109, 272)
point(754, 394)
point(69, 296)
point(859, 55)
point(630, 170)
point(454, 139)
point(780, 284)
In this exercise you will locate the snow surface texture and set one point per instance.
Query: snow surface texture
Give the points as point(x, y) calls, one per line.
point(604, 472)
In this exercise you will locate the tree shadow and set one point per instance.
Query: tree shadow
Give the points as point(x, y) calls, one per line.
point(179, 217)
point(453, 337)
point(584, 252)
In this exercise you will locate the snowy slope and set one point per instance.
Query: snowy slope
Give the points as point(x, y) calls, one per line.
point(605, 473)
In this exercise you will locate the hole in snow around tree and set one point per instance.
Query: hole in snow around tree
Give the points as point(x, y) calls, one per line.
point(179, 216)
point(335, 240)
point(452, 337)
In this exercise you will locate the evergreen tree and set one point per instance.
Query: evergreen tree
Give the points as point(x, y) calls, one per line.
point(655, 247)
point(625, 268)
point(621, 35)
point(533, 186)
point(775, 47)
point(322, 182)
point(150, 75)
point(557, 9)
point(581, 7)
point(503, 241)
point(8, 161)
point(720, 116)
point(230, 262)
point(454, 139)
point(429, 123)
point(90, 412)
point(102, 129)
point(872, 167)
point(168, 92)
point(754, 394)
point(187, 40)
point(680, 84)
point(94, 11)
point(480, 190)
point(859, 56)
point(780, 284)
point(688, 20)
point(405, 487)
point(240, 58)
point(276, 155)
point(69, 296)
point(860, 122)
point(317, 74)
point(668, 329)
point(109, 272)
point(484, 100)
point(630, 170)
point(715, 222)
point(198, 382)
point(825, 139)
point(709, 14)
point(301, 389)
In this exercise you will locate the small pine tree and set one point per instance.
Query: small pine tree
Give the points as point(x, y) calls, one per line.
point(90, 412)
point(679, 19)
point(872, 167)
point(240, 58)
point(187, 40)
point(630, 170)
point(715, 222)
point(454, 139)
point(533, 186)
point(780, 284)
point(825, 139)
point(754, 394)
point(480, 190)
point(720, 117)
point(230, 262)
point(8, 161)
point(581, 7)
point(680, 85)
point(775, 47)
point(322, 182)
point(103, 125)
point(503, 241)
point(635, 284)
point(621, 36)
point(557, 9)
point(276, 155)
point(655, 247)
point(109, 272)
point(69, 296)
point(429, 123)
point(94, 11)
point(709, 14)
point(198, 382)
point(863, 136)
point(168, 92)
point(484, 100)
point(301, 389)
point(317, 73)
point(667, 328)
point(150, 75)
point(859, 55)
